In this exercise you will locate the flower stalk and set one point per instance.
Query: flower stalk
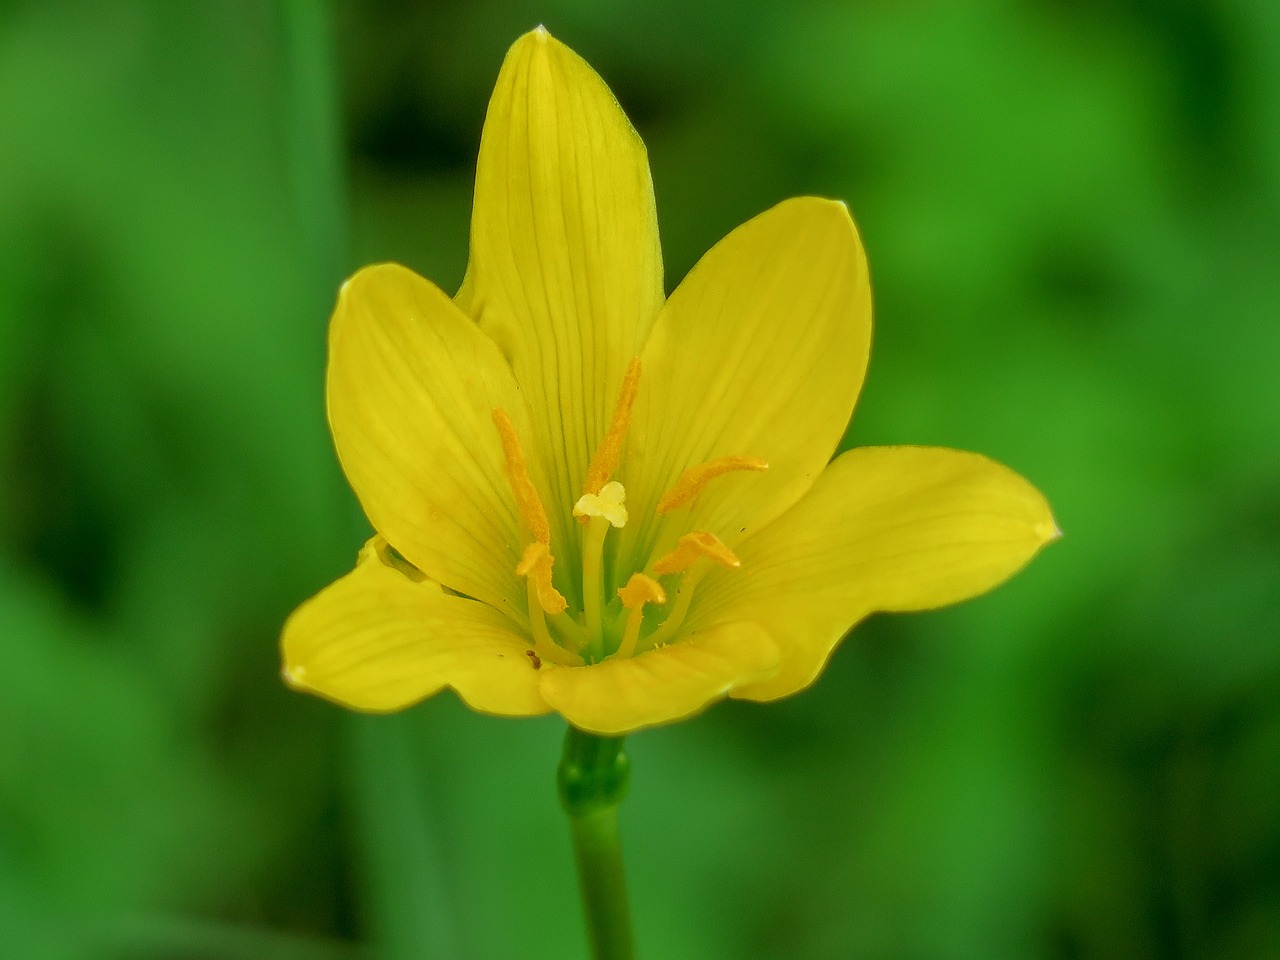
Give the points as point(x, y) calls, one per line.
point(593, 777)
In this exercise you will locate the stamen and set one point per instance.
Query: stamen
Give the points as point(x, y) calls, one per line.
point(638, 591)
point(694, 479)
point(641, 590)
point(544, 646)
point(528, 502)
point(605, 461)
point(684, 598)
point(684, 559)
point(536, 565)
point(693, 547)
point(542, 641)
point(608, 503)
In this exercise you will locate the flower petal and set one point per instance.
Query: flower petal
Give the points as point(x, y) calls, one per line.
point(381, 639)
point(566, 270)
point(883, 529)
point(411, 389)
point(660, 685)
point(759, 353)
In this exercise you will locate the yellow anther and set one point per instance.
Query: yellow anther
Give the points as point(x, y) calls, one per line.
point(694, 479)
point(641, 590)
point(608, 503)
point(605, 462)
point(528, 502)
point(693, 547)
point(536, 565)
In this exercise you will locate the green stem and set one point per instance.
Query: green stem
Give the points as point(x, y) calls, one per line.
point(593, 779)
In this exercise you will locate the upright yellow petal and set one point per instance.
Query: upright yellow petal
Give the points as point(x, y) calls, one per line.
point(566, 270)
point(759, 354)
point(884, 529)
point(660, 685)
point(380, 640)
point(412, 385)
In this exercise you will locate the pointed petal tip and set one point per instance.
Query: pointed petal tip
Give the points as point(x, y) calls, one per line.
point(294, 676)
point(538, 37)
point(840, 210)
point(824, 204)
point(834, 215)
point(373, 275)
point(1046, 528)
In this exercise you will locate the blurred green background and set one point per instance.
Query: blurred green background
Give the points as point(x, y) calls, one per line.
point(1072, 211)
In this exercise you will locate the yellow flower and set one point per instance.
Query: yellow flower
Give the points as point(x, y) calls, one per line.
point(593, 499)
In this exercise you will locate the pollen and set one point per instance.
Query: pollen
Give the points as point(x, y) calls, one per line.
point(536, 565)
point(692, 547)
point(691, 482)
point(609, 503)
point(609, 453)
point(641, 590)
point(528, 502)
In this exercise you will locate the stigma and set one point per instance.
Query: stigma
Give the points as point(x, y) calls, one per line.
point(609, 503)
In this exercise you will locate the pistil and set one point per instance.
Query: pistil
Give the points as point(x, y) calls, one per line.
point(603, 504)
point(593, 579)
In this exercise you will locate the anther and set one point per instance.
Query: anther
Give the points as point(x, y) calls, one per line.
point(528, 502)
point(609, 503)
point(535, 564)
point(639, 590)
point(691, 482)
point(693, 547)
point(609, 453)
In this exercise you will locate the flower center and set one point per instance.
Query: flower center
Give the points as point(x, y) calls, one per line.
point(618, 626)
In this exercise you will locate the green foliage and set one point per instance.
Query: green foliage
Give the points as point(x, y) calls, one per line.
point(1073, 218)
